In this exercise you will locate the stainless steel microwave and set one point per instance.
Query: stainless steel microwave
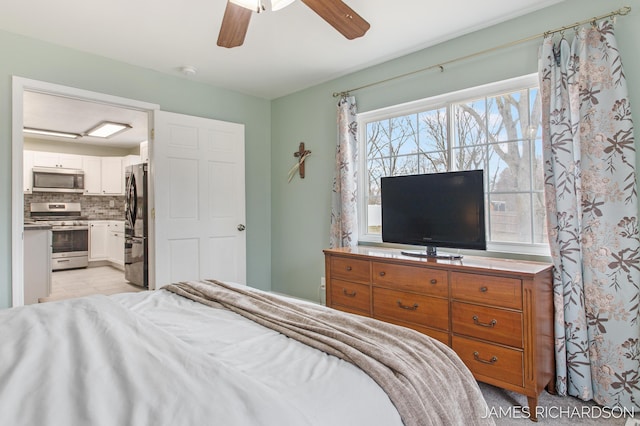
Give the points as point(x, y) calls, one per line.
point(56, 179)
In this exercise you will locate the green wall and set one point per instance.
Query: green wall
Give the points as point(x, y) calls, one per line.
point(300, 209)
point(288, 223)
point(37, 60)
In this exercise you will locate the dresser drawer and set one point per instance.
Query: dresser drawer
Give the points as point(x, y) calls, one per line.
point(409, 278)
point(409, 307)
point(482, 322)
point(352, 295)
point(497, 291)
point(440, 335)
point(350, 269)
point(351, 310)
point(492, 361)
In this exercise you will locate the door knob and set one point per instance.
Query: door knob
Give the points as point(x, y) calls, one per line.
point(241, 227)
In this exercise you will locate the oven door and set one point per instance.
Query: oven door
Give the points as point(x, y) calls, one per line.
point(69, 247)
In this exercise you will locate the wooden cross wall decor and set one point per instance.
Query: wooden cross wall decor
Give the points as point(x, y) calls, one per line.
point(301, 155)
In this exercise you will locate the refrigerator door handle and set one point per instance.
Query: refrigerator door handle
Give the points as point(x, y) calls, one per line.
point(132, 201)
point(128, 200)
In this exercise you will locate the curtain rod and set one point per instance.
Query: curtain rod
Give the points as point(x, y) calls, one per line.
point(622, 11)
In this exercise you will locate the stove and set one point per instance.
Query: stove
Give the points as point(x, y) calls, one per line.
point(69, 232)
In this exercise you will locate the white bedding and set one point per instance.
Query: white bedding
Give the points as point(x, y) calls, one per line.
point(155, 358)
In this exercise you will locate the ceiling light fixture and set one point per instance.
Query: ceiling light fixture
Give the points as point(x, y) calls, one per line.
point(46, 132)
point(106, 129)
point(259, 5)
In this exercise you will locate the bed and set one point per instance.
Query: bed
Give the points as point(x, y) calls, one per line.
point(212, 353)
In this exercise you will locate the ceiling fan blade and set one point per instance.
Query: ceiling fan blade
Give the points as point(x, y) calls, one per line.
point(234, 25)
point(340, 16)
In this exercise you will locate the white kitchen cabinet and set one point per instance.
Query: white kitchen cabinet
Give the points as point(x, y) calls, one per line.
point(54, 159)
point(106, 241)
point(92, 167)
point(27, 173)
point(98, 233)
point(37, 263)
point(115, 245)
point(112, 176)
point(71, 161)
point(103, 175)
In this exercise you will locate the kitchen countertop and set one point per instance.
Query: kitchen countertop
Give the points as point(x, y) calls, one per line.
point(36, 226)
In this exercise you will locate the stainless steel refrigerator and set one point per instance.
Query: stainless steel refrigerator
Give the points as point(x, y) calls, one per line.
point(136, 242)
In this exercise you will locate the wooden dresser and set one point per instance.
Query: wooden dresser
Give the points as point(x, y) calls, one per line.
point(497, 314)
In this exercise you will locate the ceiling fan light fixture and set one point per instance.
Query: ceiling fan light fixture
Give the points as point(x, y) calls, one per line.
point(254, 5)
point(280, 4)
point(259, 5)
point(106, 129)
point(46, 132)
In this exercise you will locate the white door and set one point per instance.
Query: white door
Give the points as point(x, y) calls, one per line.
point(199, 192)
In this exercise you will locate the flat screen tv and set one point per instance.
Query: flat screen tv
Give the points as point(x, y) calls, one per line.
point(434, 210)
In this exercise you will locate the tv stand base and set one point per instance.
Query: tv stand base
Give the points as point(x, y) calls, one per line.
point(418, 253)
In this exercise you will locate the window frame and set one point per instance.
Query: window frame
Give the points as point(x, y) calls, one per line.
point(440, 101)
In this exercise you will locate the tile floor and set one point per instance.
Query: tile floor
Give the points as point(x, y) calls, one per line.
point(83, 282)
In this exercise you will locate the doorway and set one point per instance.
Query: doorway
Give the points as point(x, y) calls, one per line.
point(23, 90)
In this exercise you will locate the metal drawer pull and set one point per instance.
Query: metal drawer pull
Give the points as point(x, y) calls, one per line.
point(493, 359)
point(483, 289)
point(434, 281)
point(348, 268)
point(383, 273)
point(346, 293)
point(409, 308)
point(483, 324)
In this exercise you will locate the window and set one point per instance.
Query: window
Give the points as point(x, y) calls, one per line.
point(494, 127)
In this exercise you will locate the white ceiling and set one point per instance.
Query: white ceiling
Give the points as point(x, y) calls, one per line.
point(44, 111)
point(284, 51)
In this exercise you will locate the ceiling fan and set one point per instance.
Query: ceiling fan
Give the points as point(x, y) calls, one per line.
point(238, 14)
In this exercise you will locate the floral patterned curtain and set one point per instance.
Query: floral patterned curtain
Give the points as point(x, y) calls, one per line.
point(590, 188)
point(344, 209)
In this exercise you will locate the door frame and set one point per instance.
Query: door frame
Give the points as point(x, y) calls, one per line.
point(19, 86)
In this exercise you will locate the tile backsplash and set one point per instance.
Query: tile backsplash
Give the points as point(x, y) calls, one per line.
point(93, 206)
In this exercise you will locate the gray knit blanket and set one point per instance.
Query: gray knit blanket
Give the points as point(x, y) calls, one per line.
point(424, 379)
